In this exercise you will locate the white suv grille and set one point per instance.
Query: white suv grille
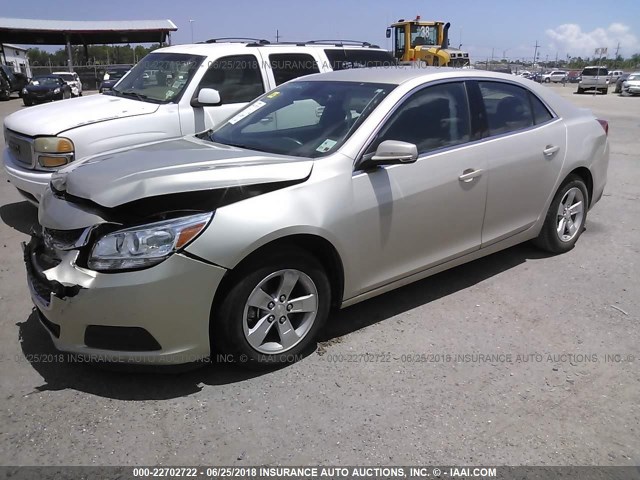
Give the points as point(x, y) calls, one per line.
point(20, 147)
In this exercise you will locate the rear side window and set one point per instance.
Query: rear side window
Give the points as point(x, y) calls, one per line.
point(540, 113)
point(508, 107)
point(287, 66)
point(238, 78)
point(343, 58)
point(594, 71)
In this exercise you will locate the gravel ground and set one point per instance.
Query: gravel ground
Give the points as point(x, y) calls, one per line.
point(553, 398)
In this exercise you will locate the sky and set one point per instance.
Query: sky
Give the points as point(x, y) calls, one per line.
point(486, 29)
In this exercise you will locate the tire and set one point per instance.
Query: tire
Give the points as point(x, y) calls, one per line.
point(234, 320)
point(27, 102)
point(580, 91)
point(547, 80)
point(605, 91)
point(572, 191)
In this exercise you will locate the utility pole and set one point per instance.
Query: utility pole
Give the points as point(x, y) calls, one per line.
point(556, 59)
point(535, 54)
point(277, 36)
point(191, 25)
point(615, 61)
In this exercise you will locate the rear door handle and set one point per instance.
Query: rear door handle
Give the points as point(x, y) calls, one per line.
point(469, 174)
point(550, 150)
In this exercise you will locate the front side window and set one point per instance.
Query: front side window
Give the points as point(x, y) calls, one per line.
point(172, 72)
point(508, 107)
point(237, 78)
point(433, 118)
point(303, 118)
point(287, 66)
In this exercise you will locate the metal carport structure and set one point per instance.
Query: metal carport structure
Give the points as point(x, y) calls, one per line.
point(71, 32)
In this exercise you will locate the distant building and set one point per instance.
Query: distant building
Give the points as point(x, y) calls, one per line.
point(15, 57)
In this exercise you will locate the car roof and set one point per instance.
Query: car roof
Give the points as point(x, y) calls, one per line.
point(400, 74)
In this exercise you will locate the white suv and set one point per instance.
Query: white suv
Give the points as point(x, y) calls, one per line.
point(555, 76)
point(173, 91)
point(594, 78)
point(73, 80)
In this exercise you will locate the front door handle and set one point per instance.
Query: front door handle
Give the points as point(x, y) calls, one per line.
point(550, 150)
point(469, 174)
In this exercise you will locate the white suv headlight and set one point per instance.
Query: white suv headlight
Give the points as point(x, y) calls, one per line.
point(53, 151)
point(146, 245)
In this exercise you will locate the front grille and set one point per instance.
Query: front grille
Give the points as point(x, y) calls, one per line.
point(20, 147)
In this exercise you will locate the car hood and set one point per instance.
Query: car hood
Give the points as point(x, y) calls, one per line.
point(55, 118)
point(187, 164)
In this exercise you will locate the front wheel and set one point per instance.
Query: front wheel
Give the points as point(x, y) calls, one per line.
point(580, 91)
point(547, 80)
point(274, 308)
point(565, 218)
point(27, 102)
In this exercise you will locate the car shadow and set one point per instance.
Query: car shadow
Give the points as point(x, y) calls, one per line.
point(22, 216)
point(152, 384)
point(426, 291)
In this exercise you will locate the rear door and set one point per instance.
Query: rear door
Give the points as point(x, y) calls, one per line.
point(525, 146)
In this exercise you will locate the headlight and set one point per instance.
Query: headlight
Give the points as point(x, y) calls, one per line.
point(53, 151)
point(145, 245)
point(24, 91)
point(57, 90)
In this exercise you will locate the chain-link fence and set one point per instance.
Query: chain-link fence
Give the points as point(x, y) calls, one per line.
point(90, 75)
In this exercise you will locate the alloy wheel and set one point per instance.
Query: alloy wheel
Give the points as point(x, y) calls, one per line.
point(570, 215)
point(280, 311)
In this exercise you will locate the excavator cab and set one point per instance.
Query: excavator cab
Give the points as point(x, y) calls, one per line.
point(427, 42)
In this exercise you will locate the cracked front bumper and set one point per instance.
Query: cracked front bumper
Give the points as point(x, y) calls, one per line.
point(170, 301)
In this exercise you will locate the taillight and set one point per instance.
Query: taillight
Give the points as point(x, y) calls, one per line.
point(605, 125)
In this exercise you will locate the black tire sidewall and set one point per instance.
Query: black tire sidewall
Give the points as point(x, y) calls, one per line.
point(227, 322)
point(550, 229)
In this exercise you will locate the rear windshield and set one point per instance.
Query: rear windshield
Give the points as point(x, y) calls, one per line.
point(594, 71)
point(341, 59)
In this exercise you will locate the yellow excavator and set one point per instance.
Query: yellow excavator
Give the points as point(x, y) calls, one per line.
point(428, 42)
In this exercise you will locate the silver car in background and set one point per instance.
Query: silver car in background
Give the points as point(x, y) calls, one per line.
point(322, 193)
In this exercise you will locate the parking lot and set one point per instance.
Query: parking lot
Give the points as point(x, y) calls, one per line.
point(519, 358)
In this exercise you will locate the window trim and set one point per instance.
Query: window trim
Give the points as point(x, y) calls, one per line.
point(371, 138)
point(475, 110)
point(487, 135)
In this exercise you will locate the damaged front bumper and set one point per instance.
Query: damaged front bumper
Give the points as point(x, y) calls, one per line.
point(159, 315)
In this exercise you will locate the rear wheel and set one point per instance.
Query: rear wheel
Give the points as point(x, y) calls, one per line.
point(27, 102)
point(605, 90)
point(566, 217)
point(547, 80)
point(273, 309)
point(580, 91)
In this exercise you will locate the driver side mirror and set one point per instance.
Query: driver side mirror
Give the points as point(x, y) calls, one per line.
point(388, 33)
point(206, 97)
point(391, 152)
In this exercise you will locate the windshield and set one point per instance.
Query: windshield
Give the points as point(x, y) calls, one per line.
point(633, 77)
point(304, 118)
point(44, 81)
point(116, 74)
point(67, 77)
point(423, 35)
point(159, 77)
